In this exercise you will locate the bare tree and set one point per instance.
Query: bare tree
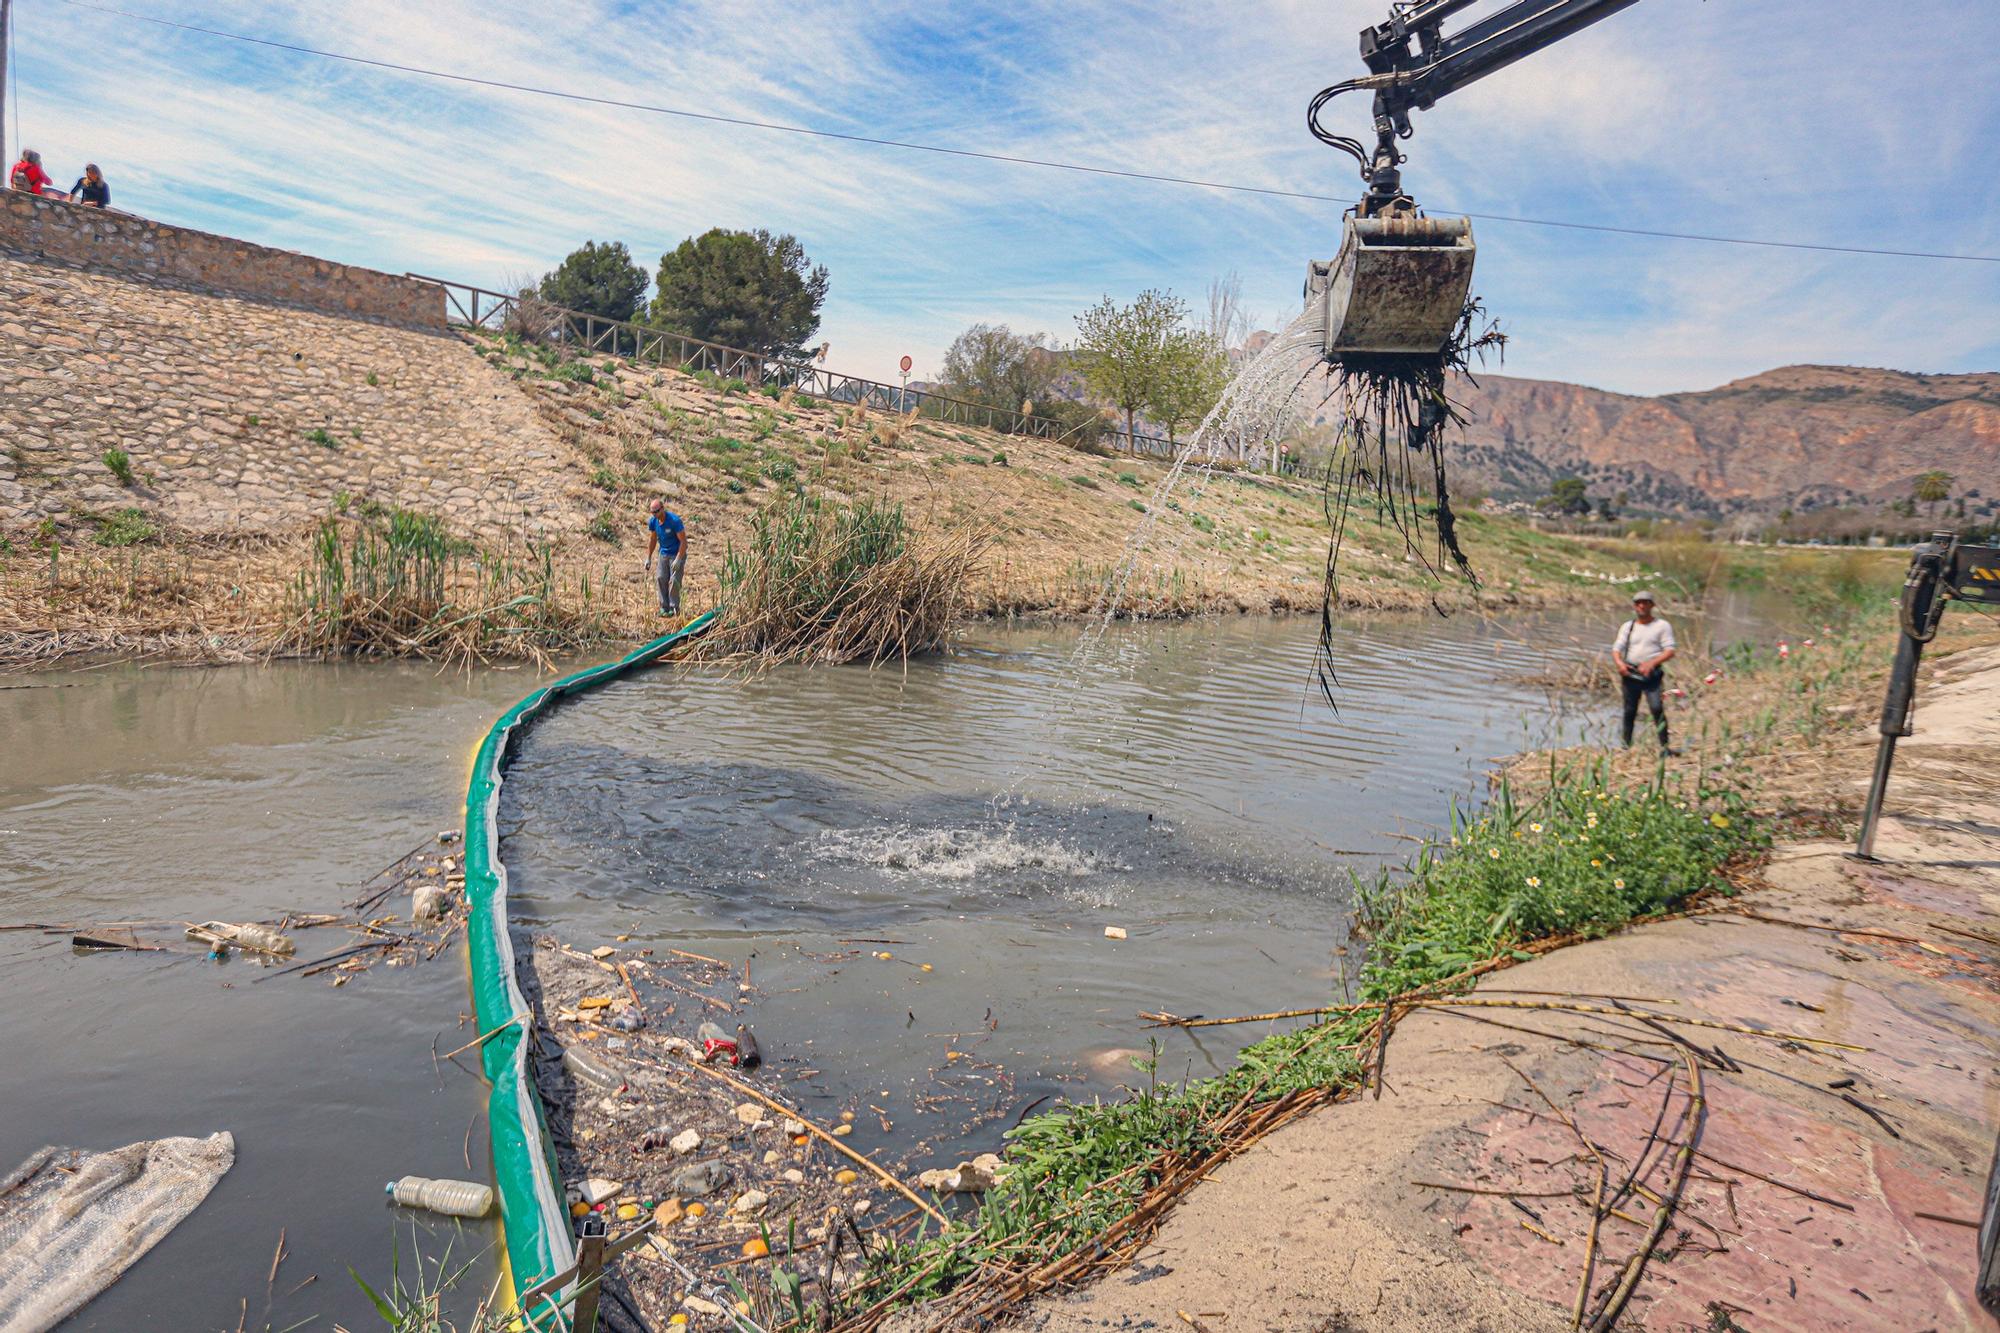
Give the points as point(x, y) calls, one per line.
point(1227, 323)
point(530, 317)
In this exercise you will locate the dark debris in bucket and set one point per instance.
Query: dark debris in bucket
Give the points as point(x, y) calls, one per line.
point(1399, 415)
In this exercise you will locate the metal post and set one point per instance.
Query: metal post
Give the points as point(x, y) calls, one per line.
point(6, 30)
point(590, 1236)
point(1988, 1285)
point(1919, 591)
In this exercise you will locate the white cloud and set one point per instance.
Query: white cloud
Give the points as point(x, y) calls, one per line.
point(1833, 119)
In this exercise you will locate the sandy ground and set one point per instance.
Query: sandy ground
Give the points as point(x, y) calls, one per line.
point(1821, 1174)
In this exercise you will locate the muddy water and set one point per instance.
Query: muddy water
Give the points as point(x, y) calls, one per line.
point(235, 793)
point(988, 814)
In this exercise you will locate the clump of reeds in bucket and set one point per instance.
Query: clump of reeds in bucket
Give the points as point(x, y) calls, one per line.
point(398, 584)
point(825, 581)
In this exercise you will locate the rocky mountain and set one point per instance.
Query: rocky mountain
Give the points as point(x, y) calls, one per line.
point(1803, 436)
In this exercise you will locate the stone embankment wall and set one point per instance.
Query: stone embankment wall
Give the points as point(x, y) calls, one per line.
point(104, 240)
point(242, 416)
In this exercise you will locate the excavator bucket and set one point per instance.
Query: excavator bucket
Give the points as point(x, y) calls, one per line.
point(1397, 287)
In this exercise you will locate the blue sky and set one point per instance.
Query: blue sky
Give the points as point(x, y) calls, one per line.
point(1839, 121)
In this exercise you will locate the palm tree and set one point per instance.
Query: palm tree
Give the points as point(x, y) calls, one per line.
point(1932, 487)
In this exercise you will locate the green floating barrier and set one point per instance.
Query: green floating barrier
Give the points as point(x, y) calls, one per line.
point(535, 1225)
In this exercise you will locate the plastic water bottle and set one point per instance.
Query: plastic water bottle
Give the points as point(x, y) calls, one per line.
point(453, 1198)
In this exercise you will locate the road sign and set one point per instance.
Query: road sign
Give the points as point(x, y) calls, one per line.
point(905, 364)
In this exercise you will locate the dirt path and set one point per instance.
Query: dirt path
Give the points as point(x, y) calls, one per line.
point(1325, 1227)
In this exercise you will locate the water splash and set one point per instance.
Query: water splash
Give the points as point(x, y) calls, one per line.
point(961, 853)
point(1269, 397)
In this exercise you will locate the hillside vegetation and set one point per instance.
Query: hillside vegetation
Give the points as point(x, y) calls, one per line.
point(190, 488)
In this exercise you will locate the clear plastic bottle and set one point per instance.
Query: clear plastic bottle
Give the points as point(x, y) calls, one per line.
point(453, 1198)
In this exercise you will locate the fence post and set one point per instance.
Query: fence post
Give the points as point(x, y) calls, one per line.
point(590, 1238)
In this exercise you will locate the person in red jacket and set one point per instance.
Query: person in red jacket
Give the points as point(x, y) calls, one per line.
point(28, 174)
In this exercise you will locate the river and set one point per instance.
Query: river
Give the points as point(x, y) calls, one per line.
point(990, 813)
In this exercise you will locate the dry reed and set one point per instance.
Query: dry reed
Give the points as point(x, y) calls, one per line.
point(825, 582)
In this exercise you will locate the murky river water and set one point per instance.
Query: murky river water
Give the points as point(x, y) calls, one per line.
point(990, 813)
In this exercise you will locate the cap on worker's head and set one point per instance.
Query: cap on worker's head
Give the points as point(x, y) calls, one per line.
point(1641, 596)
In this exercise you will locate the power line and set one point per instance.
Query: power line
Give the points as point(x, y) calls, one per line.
point(908, 145)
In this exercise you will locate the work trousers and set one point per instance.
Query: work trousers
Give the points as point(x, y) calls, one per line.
point(1648, 685)
point(667, 577)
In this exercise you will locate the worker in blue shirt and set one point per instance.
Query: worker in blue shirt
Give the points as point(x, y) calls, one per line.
point(667, 540)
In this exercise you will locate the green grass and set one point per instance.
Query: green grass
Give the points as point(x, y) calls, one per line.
point(321, 436)
point(1088, 483)
point(120, 464)
point(573, 372)
point(125, 527)
point(604, 478)
point(604, 526)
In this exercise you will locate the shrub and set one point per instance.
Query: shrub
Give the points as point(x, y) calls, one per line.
point(603, 478)
point(120, 464)
point(604, 526)
point(780, 468)
point(1137, 504)
point(321, 436)
point(574, 372)
point(394, 582)
point(372, 379)
point(1000, 458)
point(826, 582)
point(1088, 483)
point(1584, 859)
point(1129, 479)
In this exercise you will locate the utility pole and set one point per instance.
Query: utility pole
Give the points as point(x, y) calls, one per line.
point(6, 27)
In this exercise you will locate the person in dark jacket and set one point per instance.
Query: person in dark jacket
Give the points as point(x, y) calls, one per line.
point(91, 189)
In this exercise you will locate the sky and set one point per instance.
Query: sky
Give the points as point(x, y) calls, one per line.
point(1843, 122)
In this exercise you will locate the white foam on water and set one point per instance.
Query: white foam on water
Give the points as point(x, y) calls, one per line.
point(960, 853)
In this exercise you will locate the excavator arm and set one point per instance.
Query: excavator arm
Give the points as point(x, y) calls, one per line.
point(1412, 61)
point(1400, 281)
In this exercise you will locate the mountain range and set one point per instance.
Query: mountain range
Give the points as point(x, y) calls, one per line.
point(1799, 437)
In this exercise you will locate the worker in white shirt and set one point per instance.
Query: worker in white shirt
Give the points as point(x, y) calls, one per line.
point(1640, 653)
